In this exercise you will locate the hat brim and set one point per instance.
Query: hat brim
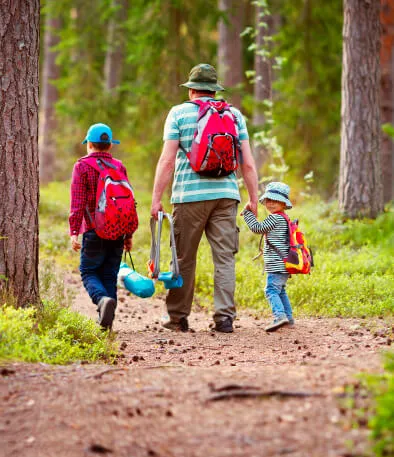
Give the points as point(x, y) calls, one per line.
point(277, 198)
point(203, 86)
point(113, 141)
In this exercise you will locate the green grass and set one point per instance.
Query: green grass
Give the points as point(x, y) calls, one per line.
point(353, 276)
point(382, 423)
point(52, 334)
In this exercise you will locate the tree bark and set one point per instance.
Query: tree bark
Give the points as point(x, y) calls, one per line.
point(115, 51)
point(386, 98)
point(49, 97)
point(360, 190)
point(19, 173)
point(230, 68)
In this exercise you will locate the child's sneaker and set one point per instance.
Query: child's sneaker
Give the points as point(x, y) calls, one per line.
point(277, 323)
point(106, 308)
point(291, 323)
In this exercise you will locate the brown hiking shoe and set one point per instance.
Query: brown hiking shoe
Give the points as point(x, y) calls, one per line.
point(181, 326)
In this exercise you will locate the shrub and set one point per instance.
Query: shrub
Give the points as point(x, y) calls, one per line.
point(53, 334)
point(382, 423)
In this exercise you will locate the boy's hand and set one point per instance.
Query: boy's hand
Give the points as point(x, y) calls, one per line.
point(128, 244)
point(75, 245)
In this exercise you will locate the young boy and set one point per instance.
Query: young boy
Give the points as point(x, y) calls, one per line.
point(276, 240)
point(100, 258)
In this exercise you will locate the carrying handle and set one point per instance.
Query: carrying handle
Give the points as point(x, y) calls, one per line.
point(125, 258)
point(155, 244)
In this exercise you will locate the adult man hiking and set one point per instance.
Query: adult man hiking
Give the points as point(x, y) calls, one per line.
point(204, 200)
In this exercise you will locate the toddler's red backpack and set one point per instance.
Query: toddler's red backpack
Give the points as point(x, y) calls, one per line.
point(215, 148)
point(115, 211)
point(300, 258)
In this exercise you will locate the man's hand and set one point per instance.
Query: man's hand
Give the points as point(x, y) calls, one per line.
point(155, 208)
point(75, 245)
point(251, 206)
point(128, 244)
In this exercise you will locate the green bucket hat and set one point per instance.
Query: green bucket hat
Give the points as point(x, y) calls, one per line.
point(203, 77)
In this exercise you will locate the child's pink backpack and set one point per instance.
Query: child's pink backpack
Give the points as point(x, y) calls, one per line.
point(115, 212)
point(215, 148)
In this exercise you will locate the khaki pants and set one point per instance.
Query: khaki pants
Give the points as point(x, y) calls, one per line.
point(218, 219)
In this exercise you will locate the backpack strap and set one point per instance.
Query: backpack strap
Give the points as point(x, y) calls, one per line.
point(99, 164)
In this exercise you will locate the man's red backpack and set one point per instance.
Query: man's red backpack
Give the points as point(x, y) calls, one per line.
point(299, 258)
point(115, 211)
point(215, 148)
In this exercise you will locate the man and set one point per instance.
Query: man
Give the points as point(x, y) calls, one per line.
point(202, 204)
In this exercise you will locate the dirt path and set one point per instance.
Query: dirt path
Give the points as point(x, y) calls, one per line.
point(161, 399)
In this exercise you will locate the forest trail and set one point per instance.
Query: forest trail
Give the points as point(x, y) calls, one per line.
point(171, 394)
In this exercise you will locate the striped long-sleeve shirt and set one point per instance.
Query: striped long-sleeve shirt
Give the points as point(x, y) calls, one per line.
point(277, 231)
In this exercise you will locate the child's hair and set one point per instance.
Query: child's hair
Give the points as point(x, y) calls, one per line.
point(102, 146)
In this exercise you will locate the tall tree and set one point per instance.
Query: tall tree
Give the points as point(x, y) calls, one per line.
point(387, 95)
point(263, 75)
point(230, 66)
point(49, 97)
point(19, 174)
point(115, 46)
point(360, 190)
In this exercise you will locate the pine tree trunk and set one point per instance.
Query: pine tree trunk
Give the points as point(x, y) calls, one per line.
point(360, 190)
point(230, 47)
point(49, 97)
point(386, 97)
point(115, 51)
point(19, 176)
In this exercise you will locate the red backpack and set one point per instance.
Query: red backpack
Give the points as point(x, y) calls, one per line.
point(215, 148)
point(299, 258)
point(115, 211)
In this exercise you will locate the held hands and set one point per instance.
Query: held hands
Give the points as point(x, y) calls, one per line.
point(250, 206)
point(75, 244)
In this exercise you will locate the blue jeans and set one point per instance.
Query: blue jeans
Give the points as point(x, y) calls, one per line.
point(100, 261)
point(275, 292)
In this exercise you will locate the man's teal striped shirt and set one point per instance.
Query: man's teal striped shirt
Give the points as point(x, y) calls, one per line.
point(189, 186)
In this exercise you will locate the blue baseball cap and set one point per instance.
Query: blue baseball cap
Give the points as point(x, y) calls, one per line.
point(96, 131)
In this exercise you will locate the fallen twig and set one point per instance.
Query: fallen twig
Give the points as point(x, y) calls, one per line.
point(245, 393)
point(102, 373)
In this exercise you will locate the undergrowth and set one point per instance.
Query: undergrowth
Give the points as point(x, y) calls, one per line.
point(51, 334)
point(352, 277)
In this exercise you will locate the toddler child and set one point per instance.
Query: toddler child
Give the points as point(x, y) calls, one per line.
point(100, 258)
point(276, 240)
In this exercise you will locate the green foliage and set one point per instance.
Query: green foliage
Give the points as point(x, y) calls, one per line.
point(382, 422)
point(51, 334)
point(308, 87)
point(353, 275)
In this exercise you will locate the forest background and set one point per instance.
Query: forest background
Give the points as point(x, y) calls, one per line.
point(121, 62)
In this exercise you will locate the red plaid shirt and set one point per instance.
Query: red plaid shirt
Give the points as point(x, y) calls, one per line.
point(83, 194)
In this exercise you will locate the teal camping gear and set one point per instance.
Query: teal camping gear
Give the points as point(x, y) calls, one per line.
point(171, 279)
point(134, 282)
